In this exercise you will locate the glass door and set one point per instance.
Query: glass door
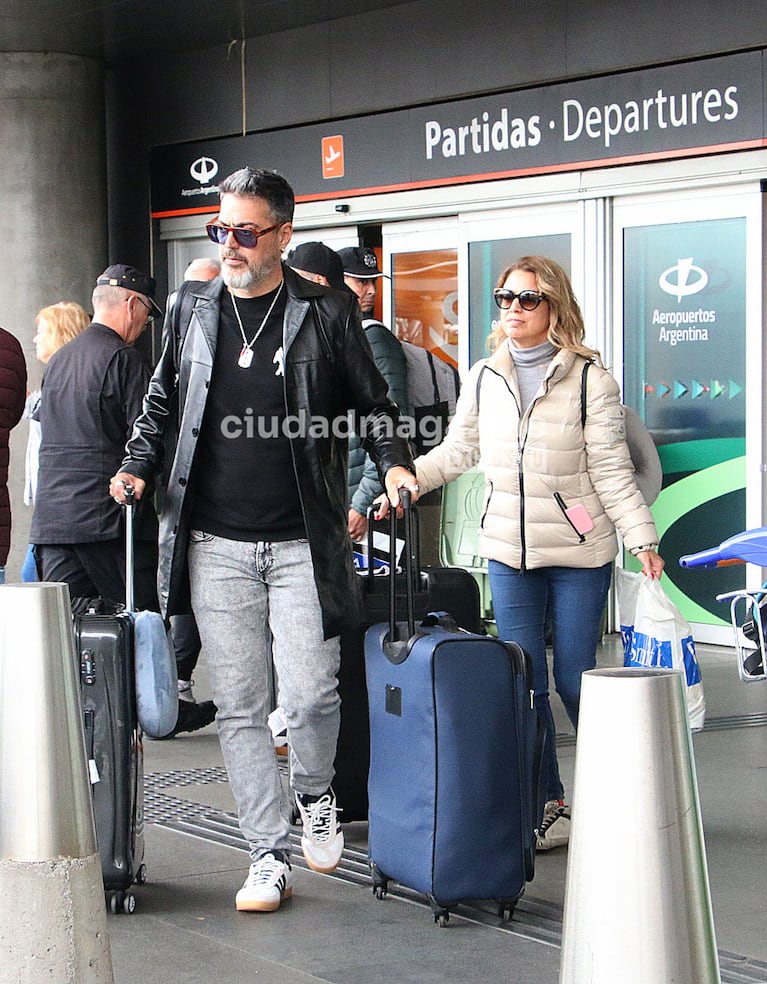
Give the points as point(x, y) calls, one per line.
point(688, 328)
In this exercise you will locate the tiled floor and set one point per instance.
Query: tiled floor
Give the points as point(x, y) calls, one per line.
point(186, 930)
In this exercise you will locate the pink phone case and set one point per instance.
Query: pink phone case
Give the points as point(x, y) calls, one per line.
point(580, 518)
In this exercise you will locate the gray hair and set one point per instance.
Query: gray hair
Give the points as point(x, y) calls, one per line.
point(257, 183)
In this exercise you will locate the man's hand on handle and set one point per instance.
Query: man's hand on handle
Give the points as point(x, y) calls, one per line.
point(118, 483)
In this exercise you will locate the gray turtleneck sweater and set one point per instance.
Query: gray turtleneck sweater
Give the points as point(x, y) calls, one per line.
point(531, 365)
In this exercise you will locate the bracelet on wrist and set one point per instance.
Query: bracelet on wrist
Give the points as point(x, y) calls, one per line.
point(647, 546)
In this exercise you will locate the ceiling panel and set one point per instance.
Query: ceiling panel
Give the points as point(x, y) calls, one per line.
point(124, 30)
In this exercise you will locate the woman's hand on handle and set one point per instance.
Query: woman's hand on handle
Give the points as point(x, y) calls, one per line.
point(396, 478)
point(399, 478)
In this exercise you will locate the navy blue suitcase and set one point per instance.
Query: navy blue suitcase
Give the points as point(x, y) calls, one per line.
point(448, 589)
point(455, 750)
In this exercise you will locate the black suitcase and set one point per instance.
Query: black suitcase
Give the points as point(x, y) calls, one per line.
point(447, 589)
point(115, 753)
point(104, 640)
point(455, 752)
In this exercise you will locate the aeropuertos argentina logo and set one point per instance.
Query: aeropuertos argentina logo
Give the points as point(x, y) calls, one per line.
point(683, 279)
point(203, 170)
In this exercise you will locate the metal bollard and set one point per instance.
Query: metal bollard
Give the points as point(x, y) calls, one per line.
point(637, 901)
point(54, 929)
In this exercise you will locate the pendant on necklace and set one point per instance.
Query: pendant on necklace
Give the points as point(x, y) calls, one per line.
point(246, 358)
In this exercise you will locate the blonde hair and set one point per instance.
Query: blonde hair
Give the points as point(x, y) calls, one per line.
point(566, 329)
point(65, 320)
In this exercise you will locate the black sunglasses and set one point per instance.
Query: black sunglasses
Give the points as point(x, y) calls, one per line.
point(150, 309)
point(528, 299)
point(246, 238)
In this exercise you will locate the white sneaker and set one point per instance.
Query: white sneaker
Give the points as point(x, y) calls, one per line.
point(322, 841)
point(554, 830)
point(269, 881)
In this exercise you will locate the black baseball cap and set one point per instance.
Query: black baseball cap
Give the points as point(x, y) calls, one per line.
point(316, 257)
point(360, 262)
point(120, 275)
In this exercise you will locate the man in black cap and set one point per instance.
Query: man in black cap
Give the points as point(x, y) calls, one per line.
point(92, 392)
point(361, 274)
point(318, 263)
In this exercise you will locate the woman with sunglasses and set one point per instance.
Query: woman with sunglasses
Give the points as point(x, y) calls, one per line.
point(556, 490)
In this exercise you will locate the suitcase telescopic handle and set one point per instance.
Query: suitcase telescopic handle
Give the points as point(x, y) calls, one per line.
point(370, 573)
point(130, 499)
point(409, 567)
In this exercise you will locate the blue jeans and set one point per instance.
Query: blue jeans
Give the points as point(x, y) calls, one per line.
point(29, 567)
point(572, 599)
point(254, 603)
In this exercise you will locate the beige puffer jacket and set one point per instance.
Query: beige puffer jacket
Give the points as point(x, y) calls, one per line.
point(527, 460)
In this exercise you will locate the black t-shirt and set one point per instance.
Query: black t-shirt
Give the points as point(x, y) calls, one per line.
point(243, 477)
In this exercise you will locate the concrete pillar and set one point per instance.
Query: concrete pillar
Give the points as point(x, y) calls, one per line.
point(53, 203)
point(52, 913)
point(637, 901)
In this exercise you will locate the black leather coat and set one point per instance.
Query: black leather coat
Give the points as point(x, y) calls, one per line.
point(328, 370)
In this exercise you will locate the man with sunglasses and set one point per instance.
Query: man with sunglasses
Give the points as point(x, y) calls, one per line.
point(261, 371)
point(92, 392)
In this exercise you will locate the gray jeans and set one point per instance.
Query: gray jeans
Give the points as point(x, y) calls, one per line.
point(254, 603)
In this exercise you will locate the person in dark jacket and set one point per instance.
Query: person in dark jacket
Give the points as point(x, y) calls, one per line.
point(92, 392)
point(318, 262)
point(247, 414)
point(13, 393)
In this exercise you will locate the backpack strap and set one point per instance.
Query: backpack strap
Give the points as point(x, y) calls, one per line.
point(479, 384)
point(456, 382)
point(434, 383)
point(584, 376)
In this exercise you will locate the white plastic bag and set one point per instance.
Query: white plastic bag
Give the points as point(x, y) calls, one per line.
point(655, 633)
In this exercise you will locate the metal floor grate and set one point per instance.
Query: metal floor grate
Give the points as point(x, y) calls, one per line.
point(534, 919)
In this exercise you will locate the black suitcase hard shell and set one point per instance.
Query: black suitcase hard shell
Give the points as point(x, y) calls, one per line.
point(105, 642)
point(114, 749)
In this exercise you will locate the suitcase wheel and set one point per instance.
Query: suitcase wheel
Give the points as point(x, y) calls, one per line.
point(440, 913)
point(506, 911)
point(380, 882)
point(121, 901)
point(141, 874)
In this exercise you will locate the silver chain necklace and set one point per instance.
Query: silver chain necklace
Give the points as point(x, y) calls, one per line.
point(246, 355)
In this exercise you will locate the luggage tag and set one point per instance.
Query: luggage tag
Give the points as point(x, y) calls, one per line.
point(93, 769)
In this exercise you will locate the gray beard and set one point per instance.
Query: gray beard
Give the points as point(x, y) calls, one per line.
point(239, 281)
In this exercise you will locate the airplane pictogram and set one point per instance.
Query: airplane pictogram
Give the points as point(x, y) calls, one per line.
point(333, 157)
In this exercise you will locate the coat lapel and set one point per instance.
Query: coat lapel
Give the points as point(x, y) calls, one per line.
point(296, 309)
